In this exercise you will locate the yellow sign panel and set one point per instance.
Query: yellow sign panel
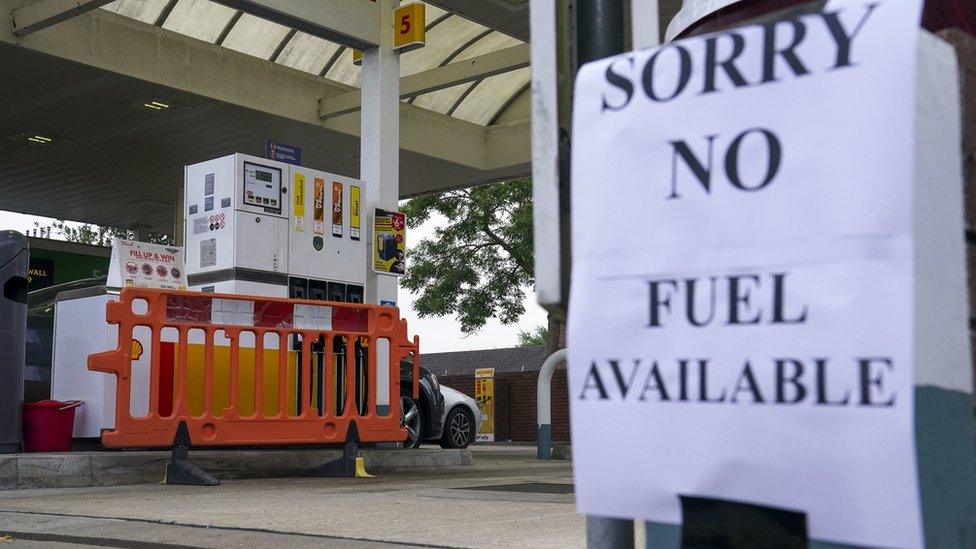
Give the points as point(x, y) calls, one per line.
point(357, 57)
point(389, 242)
point(484, 395)
point(336, 208)
point(355, 223)
point(298, 189)
point(318, 218)
point(410, 32)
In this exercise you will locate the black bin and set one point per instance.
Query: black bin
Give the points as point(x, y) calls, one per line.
point(13, 330)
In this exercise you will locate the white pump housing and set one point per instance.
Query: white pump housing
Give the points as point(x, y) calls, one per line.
point(260, 227)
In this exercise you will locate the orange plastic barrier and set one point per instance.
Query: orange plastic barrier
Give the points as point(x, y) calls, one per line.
point(323, 373)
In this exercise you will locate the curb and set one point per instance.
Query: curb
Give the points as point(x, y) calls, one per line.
point(117, 468)
point(562, 452)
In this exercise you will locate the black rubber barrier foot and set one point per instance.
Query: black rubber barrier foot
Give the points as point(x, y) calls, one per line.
point(344, 467)
point(182, 472)
point(179, 470)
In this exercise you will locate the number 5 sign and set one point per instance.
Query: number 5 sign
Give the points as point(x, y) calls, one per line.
point(410, 28)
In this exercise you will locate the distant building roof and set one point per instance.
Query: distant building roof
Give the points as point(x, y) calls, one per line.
point(513, 359)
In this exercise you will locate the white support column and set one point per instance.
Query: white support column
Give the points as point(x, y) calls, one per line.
point(644, 18)
point(545, 152)
point(380, 142)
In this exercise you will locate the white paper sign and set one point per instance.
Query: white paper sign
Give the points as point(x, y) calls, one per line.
point(741, 316)
point(146, 265)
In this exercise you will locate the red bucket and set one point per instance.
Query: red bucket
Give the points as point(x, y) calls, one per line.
point(48, 425)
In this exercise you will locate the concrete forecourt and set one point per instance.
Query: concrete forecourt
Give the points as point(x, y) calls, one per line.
point(506, 499)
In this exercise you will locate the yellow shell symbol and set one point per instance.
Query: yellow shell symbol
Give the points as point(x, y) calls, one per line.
point(136, 350)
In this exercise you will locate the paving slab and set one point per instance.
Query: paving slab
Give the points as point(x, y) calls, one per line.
point(417, 459)
point(53, 470)
point(8, 472)
point(119, 468)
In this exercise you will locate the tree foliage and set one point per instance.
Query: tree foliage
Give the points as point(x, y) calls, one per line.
point(96, 235)
point(476, 265)
point(537, 336)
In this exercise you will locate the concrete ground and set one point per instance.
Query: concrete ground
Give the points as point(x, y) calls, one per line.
point(526, 504)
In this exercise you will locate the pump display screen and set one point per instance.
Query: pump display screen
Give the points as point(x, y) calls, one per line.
point(262, 187)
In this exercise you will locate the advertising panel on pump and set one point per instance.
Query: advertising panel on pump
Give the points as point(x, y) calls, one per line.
point(747, 347)
point(389, 235)
point(145, 265)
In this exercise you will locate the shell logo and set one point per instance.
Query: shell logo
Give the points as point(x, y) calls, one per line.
point(136, 351)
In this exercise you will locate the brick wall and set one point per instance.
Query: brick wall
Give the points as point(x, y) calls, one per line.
point(515, 404)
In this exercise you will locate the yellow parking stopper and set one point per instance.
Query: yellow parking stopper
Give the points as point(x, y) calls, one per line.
point(361, 469)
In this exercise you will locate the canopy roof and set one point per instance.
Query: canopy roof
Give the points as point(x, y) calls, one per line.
point(450, 38)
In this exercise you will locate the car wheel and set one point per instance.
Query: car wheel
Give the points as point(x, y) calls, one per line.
point(458, 428)
point(411, 418)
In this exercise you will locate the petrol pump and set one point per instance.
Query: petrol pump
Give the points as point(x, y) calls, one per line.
point(259, 227)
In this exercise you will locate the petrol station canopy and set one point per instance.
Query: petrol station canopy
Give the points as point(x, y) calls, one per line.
point(230, 81)
point(104, 101)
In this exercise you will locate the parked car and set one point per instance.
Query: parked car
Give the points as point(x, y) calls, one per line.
point(462, 419)
point(424, 420)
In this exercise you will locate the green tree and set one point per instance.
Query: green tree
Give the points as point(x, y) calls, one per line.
point(96, 235)
point(476, 265)
point(537, 336)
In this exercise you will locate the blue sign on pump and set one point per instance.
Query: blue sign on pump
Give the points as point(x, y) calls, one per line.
point(283, 153)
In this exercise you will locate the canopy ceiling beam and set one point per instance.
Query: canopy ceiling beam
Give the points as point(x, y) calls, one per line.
point(508, 102)
point(41, 14)
point(505, 145)
point(468, 70)
point(167, 11)
point(228, 27)
point(353, 24)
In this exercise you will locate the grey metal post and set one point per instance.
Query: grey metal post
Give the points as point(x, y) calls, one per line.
point(600, 29)
point(543, 410)
point(14, 258)
point(600, 33)
point(606, 532)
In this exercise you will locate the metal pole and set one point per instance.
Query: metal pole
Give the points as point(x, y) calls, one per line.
point(609, 533)
point(600, 29)
point(543, 410)
point(599, 34)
